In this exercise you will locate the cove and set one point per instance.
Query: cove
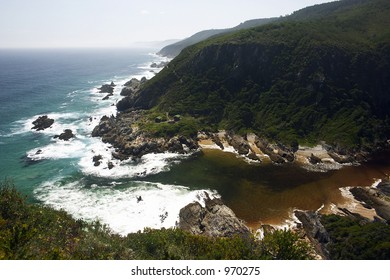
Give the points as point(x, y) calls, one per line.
point(264, 193)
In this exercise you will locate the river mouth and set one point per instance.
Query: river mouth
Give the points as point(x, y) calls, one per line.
point(264, 193)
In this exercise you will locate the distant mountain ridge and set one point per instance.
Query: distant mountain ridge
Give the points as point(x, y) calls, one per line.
point(174, 49)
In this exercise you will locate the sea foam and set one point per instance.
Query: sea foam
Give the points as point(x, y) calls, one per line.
point(124, 209)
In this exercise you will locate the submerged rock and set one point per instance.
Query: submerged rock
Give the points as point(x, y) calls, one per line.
point(42, 123)
point(215, 219)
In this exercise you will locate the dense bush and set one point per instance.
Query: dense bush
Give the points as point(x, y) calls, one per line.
point(353, 240)
point(320, 75)
point(36, 232)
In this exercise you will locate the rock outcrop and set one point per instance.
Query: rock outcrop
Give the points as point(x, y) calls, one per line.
point(238, 143)
point(42, 123)
point(107, 88)
point(315, 231)
point(159, 65)
point(277, 153)
point(66, 135)
point(374, 198)
point(214, 220)
point(130, 141)
point(132, 86)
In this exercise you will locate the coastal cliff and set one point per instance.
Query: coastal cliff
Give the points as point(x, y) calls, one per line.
point(300, 82)
point(322, 79)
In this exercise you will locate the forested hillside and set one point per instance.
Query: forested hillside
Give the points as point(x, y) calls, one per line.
point(323, 78)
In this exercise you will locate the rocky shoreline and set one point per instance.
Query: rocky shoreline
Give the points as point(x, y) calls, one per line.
point(131, 141)
point(215, 219)
point(126, 134)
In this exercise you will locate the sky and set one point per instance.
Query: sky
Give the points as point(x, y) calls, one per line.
point(121, 23)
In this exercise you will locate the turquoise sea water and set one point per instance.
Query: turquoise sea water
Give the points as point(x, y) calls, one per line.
point(63, 85)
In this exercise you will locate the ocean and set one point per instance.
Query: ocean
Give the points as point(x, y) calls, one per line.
point(63, 84)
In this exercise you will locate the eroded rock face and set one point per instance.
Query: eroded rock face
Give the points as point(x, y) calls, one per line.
point(315, 231)
point(215, 219)
point(42, 123)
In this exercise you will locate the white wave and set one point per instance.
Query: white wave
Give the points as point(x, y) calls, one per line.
point(147, 165)
point(288, 224)
point(58, 150)
point(376, 183)
point(120, 208)
point(61, 121)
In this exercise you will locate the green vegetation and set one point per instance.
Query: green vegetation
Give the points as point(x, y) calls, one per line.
point(162, 125)
point(353, 240)
point(30, 231)
point(322, 74)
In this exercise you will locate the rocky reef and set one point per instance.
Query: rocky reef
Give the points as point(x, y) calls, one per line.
point(42, 123)
point(66, 135)
point(107, 88)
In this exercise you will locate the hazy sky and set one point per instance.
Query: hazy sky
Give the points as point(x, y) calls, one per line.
point(119, 23)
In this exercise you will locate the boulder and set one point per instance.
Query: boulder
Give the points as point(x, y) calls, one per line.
point(314, 159)
point(175, 146)
point(217, 141)
point(214, 220)
point(267, 149)
point(66, 135)
point(340, 158)
point(107, 88)
point(105, 126)
point(97, 160)
point(289, 156)
point(110, 165)
point(253, 156)
point(239, 144)
point(42, 123)
point(107, 96)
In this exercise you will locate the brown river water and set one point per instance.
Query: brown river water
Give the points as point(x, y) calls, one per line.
point(264, 193)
